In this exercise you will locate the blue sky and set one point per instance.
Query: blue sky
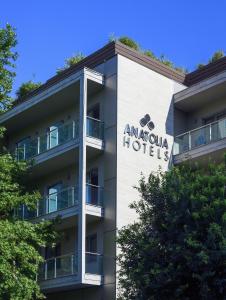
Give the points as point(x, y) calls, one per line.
point(187, 32)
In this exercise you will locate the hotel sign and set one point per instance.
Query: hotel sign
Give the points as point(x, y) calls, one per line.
point(143, 139)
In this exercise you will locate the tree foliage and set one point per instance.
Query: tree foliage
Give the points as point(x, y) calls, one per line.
point(71, 61)
point(177, 248)
point(20, 241)
point(7, 59)
point(26, 88)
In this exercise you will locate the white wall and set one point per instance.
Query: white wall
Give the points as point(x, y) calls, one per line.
point(140, 91)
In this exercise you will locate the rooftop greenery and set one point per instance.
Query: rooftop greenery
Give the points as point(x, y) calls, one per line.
point(73, 60)
point(134, 45)
point(217, 55)
point(26, 88)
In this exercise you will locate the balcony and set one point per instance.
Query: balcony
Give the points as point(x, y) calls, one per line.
point(200, 141)
point(62, 271)
point(64, 202)
point(58, 267)
point(30, 148)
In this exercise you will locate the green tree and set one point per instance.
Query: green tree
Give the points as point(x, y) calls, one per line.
point(7, 59)
point(177, 248)
point(26, 88)
point(20, 241)
point(71, 61)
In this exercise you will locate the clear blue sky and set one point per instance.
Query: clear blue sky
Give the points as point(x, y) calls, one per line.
point(187, 32)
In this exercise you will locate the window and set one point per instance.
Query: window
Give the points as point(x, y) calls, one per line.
point(94, 112)
point(54, 197)
point(54, 135)
point(23, 149)
point(93, 123)
point(91, 243)
point(92, 189)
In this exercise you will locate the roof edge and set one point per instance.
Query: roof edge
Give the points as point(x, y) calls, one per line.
point(206, 71)
point(105, 53)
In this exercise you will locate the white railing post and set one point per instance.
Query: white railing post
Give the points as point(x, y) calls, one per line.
point(37, 208)
point(73, 195)
point(82, 175)
point(45, 270)
point(47, 205)
point(55, 267)
point(210, 131)
point(189, 140)
point(38, 145)
point(73, 129)
point(24, 152)
point(72, 264)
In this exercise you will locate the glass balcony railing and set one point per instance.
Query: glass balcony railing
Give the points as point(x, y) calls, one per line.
point(95, 128)
point(94, 262)
point(94, 195)
point(204, 135)
point(63, 199)
point(58, 267)
point(67, 265)
point(31, 147)
point(54, 202)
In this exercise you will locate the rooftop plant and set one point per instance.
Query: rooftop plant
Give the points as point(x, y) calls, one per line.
point(73, 60)
point(134, 45)
point(26, 88)
point(217, 55)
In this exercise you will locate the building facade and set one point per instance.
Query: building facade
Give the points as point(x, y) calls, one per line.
point(91, 132)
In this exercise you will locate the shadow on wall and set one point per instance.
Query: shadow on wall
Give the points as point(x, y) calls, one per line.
point(169, 127)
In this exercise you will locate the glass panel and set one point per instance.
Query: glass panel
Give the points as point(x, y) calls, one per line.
point(50, 265)
point(58, 134)
point(94, 128)
point(53, 136)
point(42, 207)
point(29, 214)
point(200, 137)
point(43, 146)
point(64, 265)
point(53, 195)
point(218, 130)
point(91, 243)
point(41, 272)
point(94, 195)
point(181, 143)
point(23, 149)
point(93, 263)
point(58, 266)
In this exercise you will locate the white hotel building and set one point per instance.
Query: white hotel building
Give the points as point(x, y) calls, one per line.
point(91, 131)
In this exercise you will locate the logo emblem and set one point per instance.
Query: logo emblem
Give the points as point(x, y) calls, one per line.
point(146, 120)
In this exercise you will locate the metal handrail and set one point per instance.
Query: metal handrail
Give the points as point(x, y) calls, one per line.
point(93, 185)
point(203, 126)
point(94, 119)
point(94, 253)
point(38, 212)
point(47, 134)
point(60, 256)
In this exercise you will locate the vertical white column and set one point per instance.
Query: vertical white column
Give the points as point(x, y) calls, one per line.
point(82, 176)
